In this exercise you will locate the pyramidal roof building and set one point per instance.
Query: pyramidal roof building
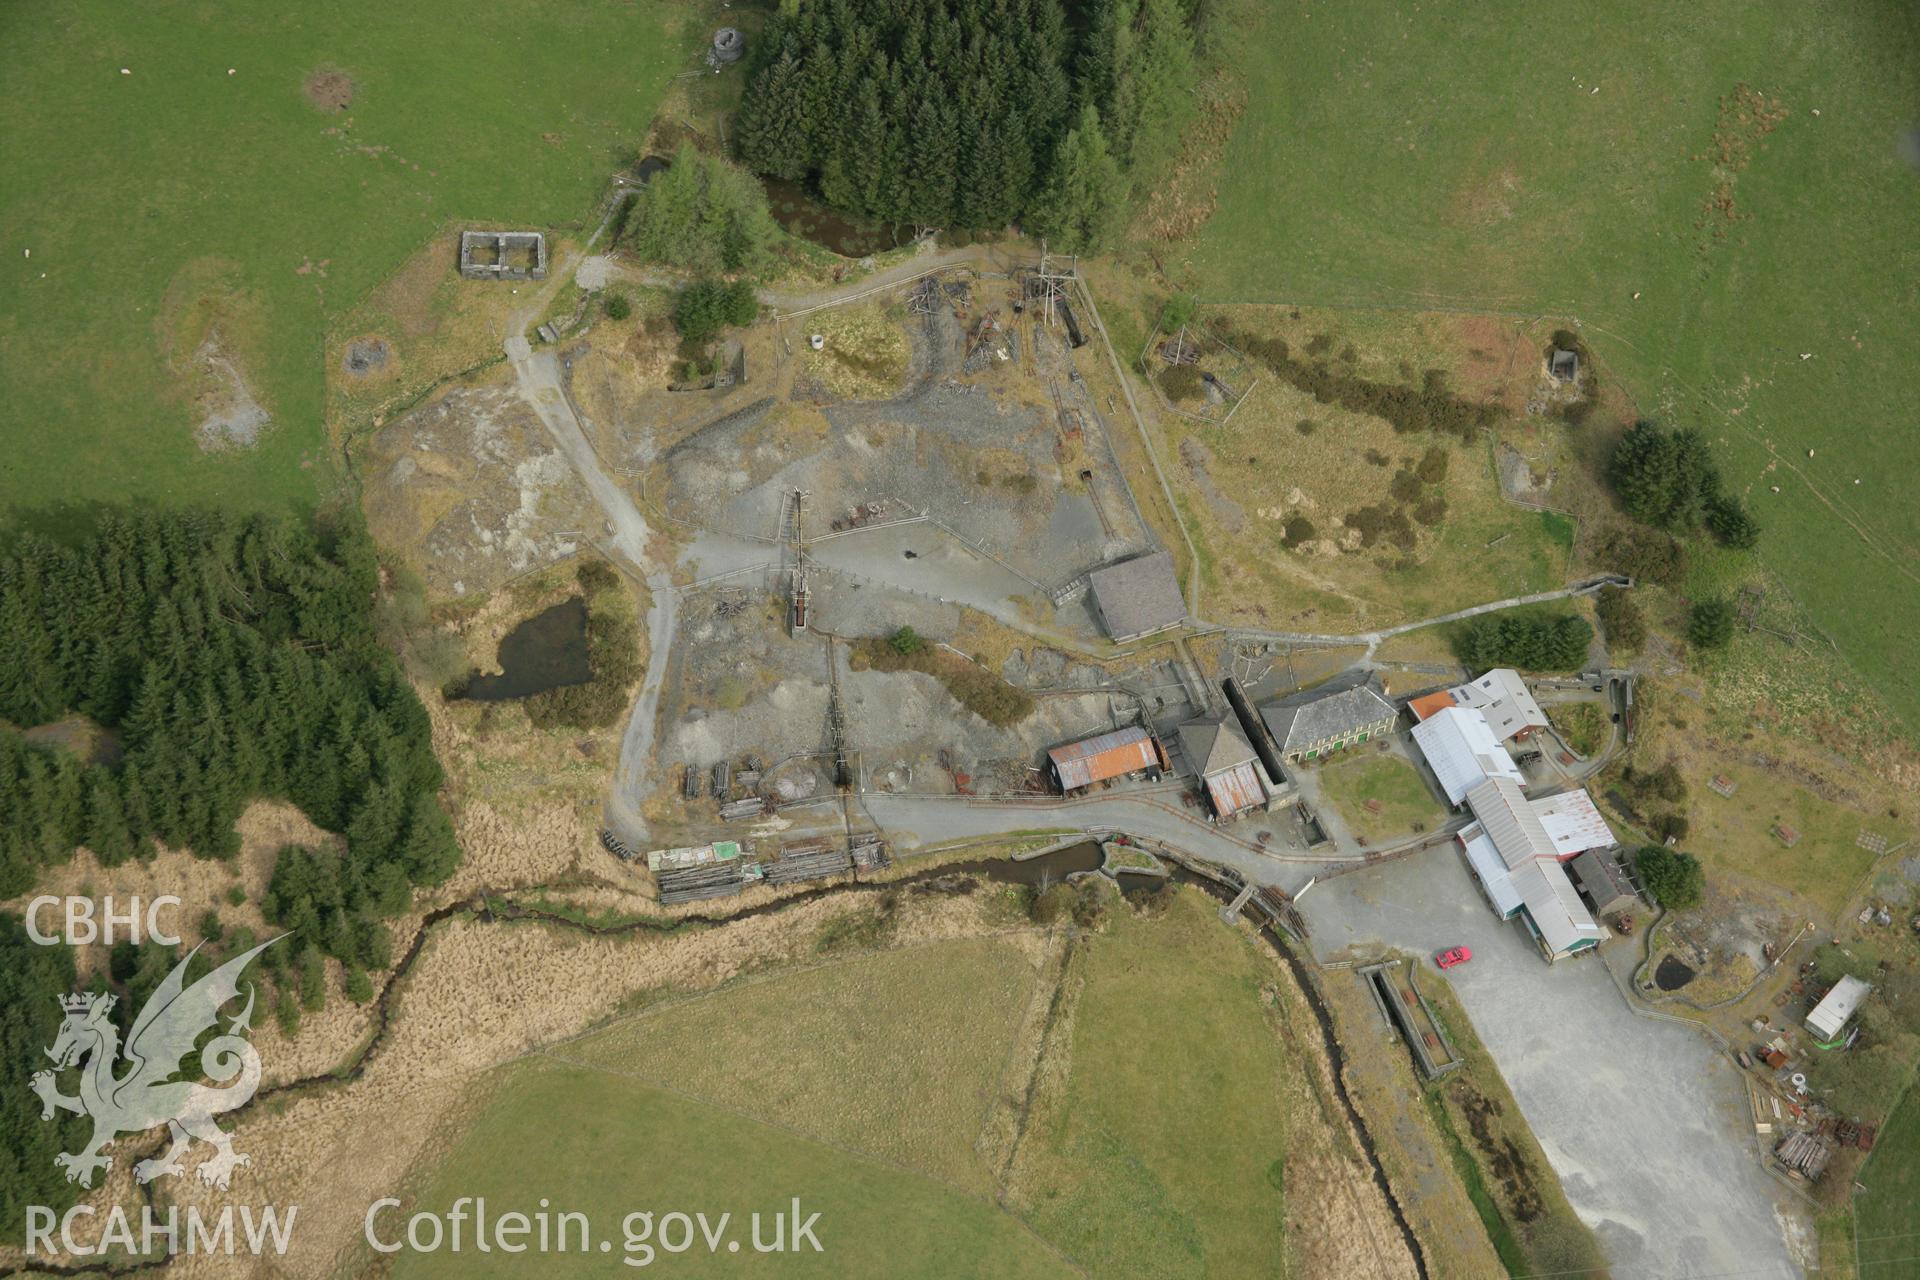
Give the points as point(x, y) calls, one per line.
point(1228, 766)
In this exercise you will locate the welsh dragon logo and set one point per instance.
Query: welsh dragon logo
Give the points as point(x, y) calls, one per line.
point(147, 1095)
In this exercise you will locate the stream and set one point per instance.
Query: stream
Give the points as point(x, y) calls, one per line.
point(1055, 865)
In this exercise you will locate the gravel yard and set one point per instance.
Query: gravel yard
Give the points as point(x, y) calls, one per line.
point(1644, 1121)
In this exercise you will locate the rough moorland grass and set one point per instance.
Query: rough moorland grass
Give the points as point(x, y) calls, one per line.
point(1471, 163)
point(180, 198)
point(1885, 1211)
point(1505, 1243)
point(1404, 800)
point(972, 686)
point(1582, 724)
point(1734, 836)
point(1285, 458)
point(605, 1143)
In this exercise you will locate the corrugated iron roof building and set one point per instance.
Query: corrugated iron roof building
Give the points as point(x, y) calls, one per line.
point(1503, 697)
point(1573, 822)
point(1462, 751)
point(1425, 706)
point(1110, 755)
point(1227, 765)
point(1514, 857)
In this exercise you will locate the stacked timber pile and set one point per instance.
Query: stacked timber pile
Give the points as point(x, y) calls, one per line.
point(799, 863)
point(692, 884)
point(1804, 1155)
point(751, 807)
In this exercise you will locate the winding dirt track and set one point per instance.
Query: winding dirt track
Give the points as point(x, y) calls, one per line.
point(537, 377)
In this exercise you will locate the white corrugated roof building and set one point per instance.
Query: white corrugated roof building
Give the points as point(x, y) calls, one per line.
point(1495, 876)
point(1502, 696)
point(1462, 751)
point(1829, 1017)
point(1501, 810)
point(1517, 861)
point(1560, 920)
point(1573, 822)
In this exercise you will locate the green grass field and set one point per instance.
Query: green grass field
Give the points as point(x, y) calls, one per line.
point(1154, 1162)
point(887, 1090)
point(1889, 1249)
point(158, 205)
point(1435, 157)
point(920, 1109)
point(607, 1145)
point(1402, 797)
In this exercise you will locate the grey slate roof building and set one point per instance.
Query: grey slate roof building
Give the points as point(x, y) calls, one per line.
point(1599, 873)
point(1314, 722)
point(1228, 768)
point(1138, 597)
point(1213, 745)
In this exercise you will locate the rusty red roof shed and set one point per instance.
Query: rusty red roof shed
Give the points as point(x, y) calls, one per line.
point(1111, 755)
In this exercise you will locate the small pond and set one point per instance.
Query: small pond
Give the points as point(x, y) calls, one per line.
point(1047, 868)
point(1671, 974)
point(547, 651)
point(795, 209)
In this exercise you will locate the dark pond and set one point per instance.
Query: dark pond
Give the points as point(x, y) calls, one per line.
point(1051, 867)
point(1671, 974)
point(795, 209)
point(547, 651)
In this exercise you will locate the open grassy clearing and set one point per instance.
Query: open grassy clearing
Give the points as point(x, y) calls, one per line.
point(1380, 796)
point(181, 203)
point(864, 352)
point(1225, 1157)
point(1888, 1249)
point(1608, 167)
point(1127, 1166)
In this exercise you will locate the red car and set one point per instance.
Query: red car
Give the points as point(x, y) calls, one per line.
point(1453, 956)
